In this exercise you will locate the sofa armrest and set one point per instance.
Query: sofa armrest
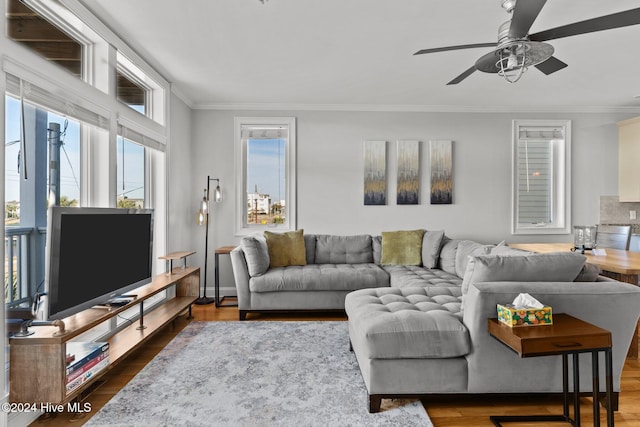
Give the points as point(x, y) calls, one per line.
point(241, 277)
point(614, 306)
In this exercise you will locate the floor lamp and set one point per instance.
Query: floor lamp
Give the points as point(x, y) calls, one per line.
point(203, 219)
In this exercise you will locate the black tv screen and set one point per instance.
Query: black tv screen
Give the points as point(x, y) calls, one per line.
point(95, 254)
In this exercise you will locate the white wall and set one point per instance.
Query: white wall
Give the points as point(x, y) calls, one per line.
point(330, 168)
point(179, 177)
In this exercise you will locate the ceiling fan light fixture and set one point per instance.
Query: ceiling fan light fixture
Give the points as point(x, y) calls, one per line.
point(516, 56)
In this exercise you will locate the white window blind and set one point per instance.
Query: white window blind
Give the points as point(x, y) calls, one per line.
point(140, 138)
point(56, 102)
point(535, 174)
point(541, 176)
point(264, 132)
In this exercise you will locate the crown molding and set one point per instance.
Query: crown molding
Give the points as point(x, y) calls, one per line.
point(417, 108)
point(181, 95)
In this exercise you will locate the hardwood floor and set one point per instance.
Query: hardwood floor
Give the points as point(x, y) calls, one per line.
point(444, 412)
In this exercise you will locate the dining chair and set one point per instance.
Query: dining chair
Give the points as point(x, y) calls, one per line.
point(613, 236)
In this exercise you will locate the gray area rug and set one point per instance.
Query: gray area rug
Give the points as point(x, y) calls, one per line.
point(254, 374)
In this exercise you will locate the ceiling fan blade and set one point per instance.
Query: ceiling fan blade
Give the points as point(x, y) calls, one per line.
point(462, 76)
point(551, 65)
point(487, 63)
point(524, 13)
point(458, 47)
point(607, 22)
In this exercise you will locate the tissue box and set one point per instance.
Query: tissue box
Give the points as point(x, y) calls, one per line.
point(515, 317)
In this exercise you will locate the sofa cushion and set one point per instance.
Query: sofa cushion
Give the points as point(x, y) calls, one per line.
point(286, 248)
point(402, 247)
point(588, 273)
point(431, 245)
point(310, 247)
point(549, 267)
point(466, 249)
point(408, 323)
point(503, 249)
point(320, 277)
point(376, 243)
point(343, 249)
point(256, 254)
point(447, 261)
point(405, 276)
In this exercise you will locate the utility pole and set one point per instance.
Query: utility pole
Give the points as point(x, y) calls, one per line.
point(54, 164)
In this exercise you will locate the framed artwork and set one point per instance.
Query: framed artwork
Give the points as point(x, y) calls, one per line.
point(408, 190)
point(440, 155)
point(375, 173)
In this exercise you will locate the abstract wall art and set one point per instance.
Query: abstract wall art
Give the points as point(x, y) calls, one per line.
point(408, 191)
point(440, 155)
point(375, 173)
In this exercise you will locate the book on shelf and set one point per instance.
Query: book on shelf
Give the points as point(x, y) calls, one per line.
point(80, 353)
point(86, 367)
point(87, 375)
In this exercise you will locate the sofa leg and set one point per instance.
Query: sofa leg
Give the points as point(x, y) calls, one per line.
point(615, 397)
point(242, 314)
point(375, 400)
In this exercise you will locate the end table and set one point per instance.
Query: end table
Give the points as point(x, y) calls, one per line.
point(223, 250)
point(567, 335)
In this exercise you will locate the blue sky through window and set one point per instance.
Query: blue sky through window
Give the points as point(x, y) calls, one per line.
point(69, 158)
point(69, 154)
point(266, 167)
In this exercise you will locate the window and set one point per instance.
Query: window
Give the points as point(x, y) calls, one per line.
point(130, 93)
point(51, 158)
point(136, 89)
point(541, 176)
point(265, 156)
point(30, 28)
point(130, 175)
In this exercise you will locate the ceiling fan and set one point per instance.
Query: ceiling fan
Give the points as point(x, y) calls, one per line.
point(516, 49)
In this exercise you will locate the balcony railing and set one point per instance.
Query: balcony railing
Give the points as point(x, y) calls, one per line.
point(16, 265)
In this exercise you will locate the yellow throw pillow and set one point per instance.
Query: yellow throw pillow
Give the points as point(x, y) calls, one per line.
point(286, 248)
point(402, 247)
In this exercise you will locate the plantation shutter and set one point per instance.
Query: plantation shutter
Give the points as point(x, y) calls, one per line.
point(535, 152)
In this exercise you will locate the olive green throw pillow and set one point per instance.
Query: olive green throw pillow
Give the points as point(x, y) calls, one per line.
point(286, 248)
point(402, 247)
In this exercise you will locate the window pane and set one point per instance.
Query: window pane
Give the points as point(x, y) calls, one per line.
point(130, 174)
point(66, 134)
point(535, 182)
point(62, 140)
point(12, 153)
point(130, 93)
point(52, 155)
point(32, 30)
point(542, 178)
point(266, 197)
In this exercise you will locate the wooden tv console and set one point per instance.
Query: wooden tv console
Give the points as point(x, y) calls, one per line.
point(37, 362)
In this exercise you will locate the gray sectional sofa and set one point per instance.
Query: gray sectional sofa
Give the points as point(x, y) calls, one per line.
point(422, 329)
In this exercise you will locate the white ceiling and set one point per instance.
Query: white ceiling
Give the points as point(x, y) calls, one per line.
point(358, 54)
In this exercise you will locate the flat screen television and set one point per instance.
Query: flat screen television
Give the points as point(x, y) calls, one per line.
point(94, 255)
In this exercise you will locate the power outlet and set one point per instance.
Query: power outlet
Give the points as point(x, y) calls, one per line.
point(632, 214)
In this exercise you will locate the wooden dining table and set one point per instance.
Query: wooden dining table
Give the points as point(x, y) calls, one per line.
point(618, 264)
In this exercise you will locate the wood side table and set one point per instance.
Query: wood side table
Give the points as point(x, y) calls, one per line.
point(223, 250)
point(617, 263)
point(567, 335)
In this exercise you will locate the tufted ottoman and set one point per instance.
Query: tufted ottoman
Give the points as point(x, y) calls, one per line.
point(408, 341)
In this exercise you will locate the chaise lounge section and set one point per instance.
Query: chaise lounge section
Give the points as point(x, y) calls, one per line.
point(418, 318)
point(414, 341)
